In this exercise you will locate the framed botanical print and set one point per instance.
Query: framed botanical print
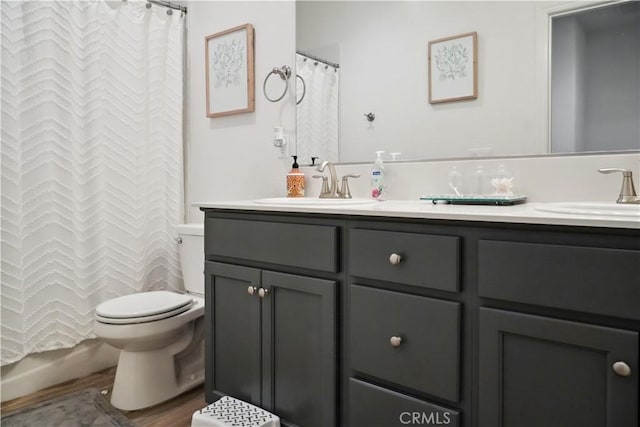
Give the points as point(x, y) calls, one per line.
point(453, 68)
point(230, 72)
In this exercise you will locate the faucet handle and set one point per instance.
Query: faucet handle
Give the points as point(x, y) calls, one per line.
point(627, 191)
point(625, 172)
point(325, 184)
point(344, 192)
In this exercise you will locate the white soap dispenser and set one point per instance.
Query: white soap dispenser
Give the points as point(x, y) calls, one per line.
point(377, 178)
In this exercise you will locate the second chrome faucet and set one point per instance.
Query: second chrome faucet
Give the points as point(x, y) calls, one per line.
point(332, 190)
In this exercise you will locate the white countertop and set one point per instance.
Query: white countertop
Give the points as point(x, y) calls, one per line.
point(526, 213)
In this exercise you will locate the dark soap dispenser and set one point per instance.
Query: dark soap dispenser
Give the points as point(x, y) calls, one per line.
point(295, 180)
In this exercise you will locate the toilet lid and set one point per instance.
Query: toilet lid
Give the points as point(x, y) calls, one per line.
point(156, 304)
point(142, 319)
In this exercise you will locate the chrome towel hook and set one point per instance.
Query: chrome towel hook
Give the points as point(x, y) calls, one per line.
point(284, 72)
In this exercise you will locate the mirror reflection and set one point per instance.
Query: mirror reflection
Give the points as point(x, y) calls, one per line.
point(379, 50)
point(595, 79)
point(317, 119)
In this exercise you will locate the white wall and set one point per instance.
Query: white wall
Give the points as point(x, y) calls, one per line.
point(232, 157)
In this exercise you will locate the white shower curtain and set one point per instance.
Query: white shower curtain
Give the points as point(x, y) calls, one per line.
point(317, 114)
point(91, 163)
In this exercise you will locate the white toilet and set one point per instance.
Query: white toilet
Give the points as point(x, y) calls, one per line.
point(160, 333)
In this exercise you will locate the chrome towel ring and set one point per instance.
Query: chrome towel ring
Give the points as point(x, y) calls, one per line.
point(304, 88)
point(284, 72)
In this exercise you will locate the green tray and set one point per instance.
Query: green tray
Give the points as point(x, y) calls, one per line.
point(477, 200)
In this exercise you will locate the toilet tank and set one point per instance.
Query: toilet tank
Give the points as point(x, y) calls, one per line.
point(192, 256)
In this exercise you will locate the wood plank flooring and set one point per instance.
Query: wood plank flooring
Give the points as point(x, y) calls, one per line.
point(175, 413)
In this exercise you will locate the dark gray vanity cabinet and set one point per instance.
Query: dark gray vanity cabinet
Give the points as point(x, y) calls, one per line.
point(271, 335)
point(388, 322)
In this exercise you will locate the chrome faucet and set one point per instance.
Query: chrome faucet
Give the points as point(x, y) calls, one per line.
point(331, 191)
point(627, 191)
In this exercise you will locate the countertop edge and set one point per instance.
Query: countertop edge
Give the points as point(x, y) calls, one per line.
point(518, 214)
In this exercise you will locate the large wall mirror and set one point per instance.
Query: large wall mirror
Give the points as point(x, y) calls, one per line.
point(553, 77)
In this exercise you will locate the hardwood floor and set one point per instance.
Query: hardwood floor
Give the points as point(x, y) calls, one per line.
point(175, 413)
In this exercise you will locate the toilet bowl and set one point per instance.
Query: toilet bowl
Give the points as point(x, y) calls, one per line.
point(160, 334)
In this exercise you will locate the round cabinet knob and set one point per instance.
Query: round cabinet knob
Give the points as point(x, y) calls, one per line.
point(262, 292)
point(395, 259)
point(622, 369)
point(395, 341)
point(251, 290)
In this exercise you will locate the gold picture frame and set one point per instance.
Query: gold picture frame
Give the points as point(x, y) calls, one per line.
point(230, 78)
point(453, 68)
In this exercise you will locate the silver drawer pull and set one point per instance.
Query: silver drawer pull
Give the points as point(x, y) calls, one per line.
point(251, 290)
point(262, 292)
point(395, 259)
point(395, 341)
point(622, 369)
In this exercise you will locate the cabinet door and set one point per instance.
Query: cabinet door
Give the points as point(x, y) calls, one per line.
point(299, 349)
point(536, 371)
point(232, 346)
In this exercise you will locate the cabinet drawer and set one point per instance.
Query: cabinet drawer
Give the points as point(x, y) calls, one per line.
point(296, 245)
point(425, 260)
point(374, 406)
point(427, 358)
point(592, 280)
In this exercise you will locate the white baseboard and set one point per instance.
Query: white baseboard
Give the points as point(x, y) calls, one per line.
point(41, 370)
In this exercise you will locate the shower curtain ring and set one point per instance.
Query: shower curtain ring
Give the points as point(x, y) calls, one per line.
point(284, 72)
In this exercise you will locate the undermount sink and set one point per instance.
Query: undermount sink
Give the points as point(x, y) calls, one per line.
point(312, 201)
point(610, 209)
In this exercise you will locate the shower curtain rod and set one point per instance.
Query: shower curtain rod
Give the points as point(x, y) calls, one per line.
point(315, 58)
point(169, 5)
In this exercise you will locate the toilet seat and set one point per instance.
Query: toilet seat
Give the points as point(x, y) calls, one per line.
point(143, 307)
